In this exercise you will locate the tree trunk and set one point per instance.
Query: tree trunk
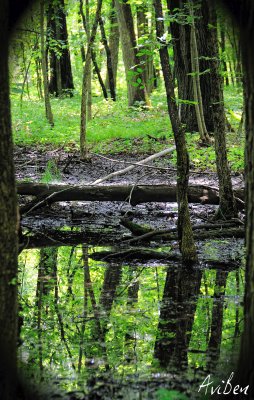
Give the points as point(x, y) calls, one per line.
point(243, 14)
point(177, 313)
point(227, 207)
point(48, 194)
point(186, 240)
point(93, 56)
point(8, 227)
point(61, 80)
point(223, 51)
point(182, 58)
point(48, 110)
point(204, 136)
point(214, 345)
point(134, 73)
point(114, 38)
point(110, 73)
point(144, 49)
point(85, 83)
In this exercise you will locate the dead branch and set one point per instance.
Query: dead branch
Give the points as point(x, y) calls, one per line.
point(127, 169)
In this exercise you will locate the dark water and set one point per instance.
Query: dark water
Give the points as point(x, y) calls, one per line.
point(102, 330)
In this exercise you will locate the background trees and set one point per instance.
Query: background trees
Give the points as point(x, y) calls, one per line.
point(61, 80)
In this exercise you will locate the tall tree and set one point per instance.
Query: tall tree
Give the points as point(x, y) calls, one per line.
point(85, 83)
point(114, 38)
point(110, 73)
point(177, 313)
point(61, 80)
point(48, 110)
point(187, 245)
point(145, 53)
point(243, 13)
point(134, 73)
point(180, 32)
point(227, 208)
point(8, 226)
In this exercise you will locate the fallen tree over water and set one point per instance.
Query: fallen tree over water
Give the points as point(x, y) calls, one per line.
point(52, 238)
point(134, 194)
point(140, 254)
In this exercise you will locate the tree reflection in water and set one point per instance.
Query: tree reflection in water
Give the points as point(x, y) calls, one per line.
point(86, 320)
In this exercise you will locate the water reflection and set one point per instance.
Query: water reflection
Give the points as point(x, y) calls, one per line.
point(85, 319)
point(177, 312)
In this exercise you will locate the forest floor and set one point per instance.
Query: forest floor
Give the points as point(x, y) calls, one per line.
point(103, 218)
point(61, 167)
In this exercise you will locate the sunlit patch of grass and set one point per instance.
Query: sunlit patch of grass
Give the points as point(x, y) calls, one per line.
point(117, 128)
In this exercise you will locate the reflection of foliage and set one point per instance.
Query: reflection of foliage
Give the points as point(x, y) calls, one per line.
point(164, 394)
point(111, 337)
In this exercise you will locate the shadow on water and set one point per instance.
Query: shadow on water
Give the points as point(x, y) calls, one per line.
point(111, 330)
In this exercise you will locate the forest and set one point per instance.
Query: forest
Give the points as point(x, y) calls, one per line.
point(126, 199)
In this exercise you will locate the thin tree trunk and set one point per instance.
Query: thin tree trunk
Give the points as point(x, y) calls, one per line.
point(227, 207)
point(144, 36)
point(109, 61)
point(213, 350)
point(89, 71)
point(48, 110)
point(93, 56)
point(204, 136)
point(223, 51)
point(186, 240)
point(85, 85)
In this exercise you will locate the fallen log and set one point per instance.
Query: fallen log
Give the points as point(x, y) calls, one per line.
point(48, 194)
point(140, 254)
point(56, 238)
point(146, 233)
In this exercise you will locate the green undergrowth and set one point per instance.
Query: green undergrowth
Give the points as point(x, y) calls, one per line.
point(116, 129)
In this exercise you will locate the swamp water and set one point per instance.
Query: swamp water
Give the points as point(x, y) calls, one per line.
point(125, 330)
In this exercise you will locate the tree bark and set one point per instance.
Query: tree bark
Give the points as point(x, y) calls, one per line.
point(110, 73)
point(186, 241)
point(48, 194)
point(48, 110)
point(114, 38)
point(8, 226)
point(204, 136)
point(144, 48)
point(85, 84)
point(61, 80)
point(133, 72)
point(227, 207)
point(243, 13)
point(182, 58)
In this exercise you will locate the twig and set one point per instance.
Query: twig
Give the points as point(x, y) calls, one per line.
point(127, 169)
point(138, 164)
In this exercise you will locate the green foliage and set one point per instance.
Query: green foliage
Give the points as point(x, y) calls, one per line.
point(51, 173)
point(164, 394)
point(116, 128)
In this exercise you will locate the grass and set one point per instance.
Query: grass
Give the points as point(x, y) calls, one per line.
point(115, 128)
